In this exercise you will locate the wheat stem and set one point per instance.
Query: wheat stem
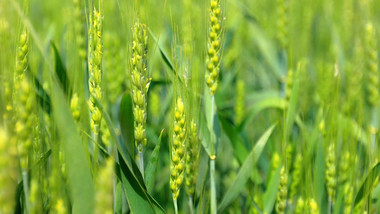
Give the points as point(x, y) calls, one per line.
point(26, 189)
point(191, 205)
point(329, 206)
point(141, 162)
point(212, 183)
point(175, 206)
point(212, 163)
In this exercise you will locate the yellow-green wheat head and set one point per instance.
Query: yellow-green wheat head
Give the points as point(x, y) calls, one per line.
point(331, 179)
point(95, 67)
point(8, 173)
point(213, 46)
point(22, 58)
point(371, 65)
point(78, 28)
point(23, 102)
point(282, 22)
point(192, 158)
point(178, 148)
point(140, 83)
point(282, 192)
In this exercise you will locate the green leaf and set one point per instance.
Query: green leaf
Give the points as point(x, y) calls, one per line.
point(61, 72)
point(245, 171)
point(78, 170)
point(271, 193)
point(240, 150)
point(204, 134)
point(42, 96)
point(166, 59)
point(127, 157)
point(267, 49)
point(151, 167)
point(130, 175)
point(367, 185)
point(138, 199)
point(126, 120)
point(271, 102)
point(319, 177)
point(162, 52)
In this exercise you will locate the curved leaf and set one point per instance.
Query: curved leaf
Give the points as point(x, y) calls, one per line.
point(133, 183)
point(367, 185)
point(126, 122)
point(245, 171)
point(150, 170)
point(272, 102)
point(61, 72)
point(78, 170)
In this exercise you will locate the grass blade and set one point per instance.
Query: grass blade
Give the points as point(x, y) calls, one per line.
point(61, 72)
point(245, 171)
point(126, 122)
point(367, 185)
point(150, 170)
point(78, 170)
point(271, 192)
point(240, 150)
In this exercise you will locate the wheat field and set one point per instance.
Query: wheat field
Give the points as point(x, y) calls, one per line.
point(189, 106)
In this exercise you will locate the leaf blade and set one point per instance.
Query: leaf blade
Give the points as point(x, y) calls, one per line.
point(245, 171)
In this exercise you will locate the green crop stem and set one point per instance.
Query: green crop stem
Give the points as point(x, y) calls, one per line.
point(191, 205)
point(213, 207)
point(26, 189)
point(175, 206)
point(141, 162)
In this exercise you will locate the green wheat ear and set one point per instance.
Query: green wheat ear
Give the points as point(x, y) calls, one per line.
point(296, 176)
point(78, 28)
point(25, 121)
point(140, 83)
point(23, 102)
point(371, 65)
point(348, 198)
point(344, 168)
point(59, 207)
point(300, 206)
point(192, 158)
point(331, 179)
point(282, 192)
point(313, 207)
point(8, 173)
point(282, 22)
point(213, 47)
point(75, 108)
point(95, 68)
point(178, 149)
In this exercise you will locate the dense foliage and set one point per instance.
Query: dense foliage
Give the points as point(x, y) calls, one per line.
point(181, 106)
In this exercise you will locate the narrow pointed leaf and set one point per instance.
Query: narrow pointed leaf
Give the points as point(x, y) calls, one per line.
point(150, 170)
point(78, 170)
point(245, 171)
